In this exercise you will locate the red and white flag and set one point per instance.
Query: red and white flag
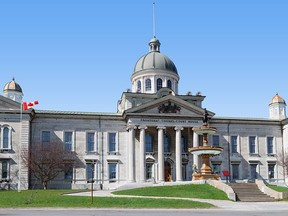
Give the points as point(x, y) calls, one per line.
point(28, 105)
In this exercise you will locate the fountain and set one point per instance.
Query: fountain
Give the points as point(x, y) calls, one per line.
point(205, 151)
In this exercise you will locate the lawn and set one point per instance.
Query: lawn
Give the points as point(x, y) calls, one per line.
point(56, 198)
point(202, 191)
point(278, 188)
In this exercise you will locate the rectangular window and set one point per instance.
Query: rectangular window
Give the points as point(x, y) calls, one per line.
point(90, 171)
point(234, 144)
point(271, 171)
point(216, 168)
point(235, 171)
point(112, 142)
point(253, 171)
point(69, 173)
point(148, 143)
point(90, 142)
point(270, 146)
point(68, 141)
point(45, 138)
point(112, 172)
point(216, 140)
point(4, 174)
point(252, 145)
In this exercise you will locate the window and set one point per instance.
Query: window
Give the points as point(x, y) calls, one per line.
point(270, 146)
point(184, 146)
point(169, 84)
point(149, 143)
point(235, 171)
point(184, 172)
point(234, 144)
point(215, 140)
point(216, 168)
point(159, 84)
point(68, 141)
point(148, 84)
point(112, 142)
point(252, 145)
point(90, 171)
point(90, 142)
point(149, 173)
point(166, 144)
point(112, 172)
point(139, 86)
point(4, 172)
point(271, 171)
point(69, 173)
point(6, 138)
point(45, 138)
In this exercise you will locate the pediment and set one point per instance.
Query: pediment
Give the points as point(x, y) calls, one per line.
point(168, 106)
point(8, 104)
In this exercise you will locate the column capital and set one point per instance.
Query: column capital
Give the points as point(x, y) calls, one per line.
point(161, 127)
point(129, 127)
point(178, 128)
point(142, 127)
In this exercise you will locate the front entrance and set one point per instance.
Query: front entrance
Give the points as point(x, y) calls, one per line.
point(168, 175)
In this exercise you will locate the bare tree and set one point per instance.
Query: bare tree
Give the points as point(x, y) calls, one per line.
point(282, 160)
point(47, 162)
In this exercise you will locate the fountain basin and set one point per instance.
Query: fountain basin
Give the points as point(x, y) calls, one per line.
point(211, 150)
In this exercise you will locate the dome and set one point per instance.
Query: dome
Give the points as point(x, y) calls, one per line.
point(12, 86)
point(155, 60)
point(277, 99)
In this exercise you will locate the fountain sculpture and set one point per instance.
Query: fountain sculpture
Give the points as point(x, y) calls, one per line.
point(205, 151)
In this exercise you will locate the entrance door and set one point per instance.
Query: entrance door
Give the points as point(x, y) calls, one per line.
point(253, 171)
point(168, 175)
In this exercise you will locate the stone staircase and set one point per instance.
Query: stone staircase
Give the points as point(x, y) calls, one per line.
point(249, 192)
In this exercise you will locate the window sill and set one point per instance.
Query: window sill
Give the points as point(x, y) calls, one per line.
point(92, 152)
point(113, 153)
point(254, 155)
point(5, 150)
point(5, 180)
point(271, 155)
point(150, 153)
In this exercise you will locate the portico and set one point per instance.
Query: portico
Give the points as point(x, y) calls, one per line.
point(164, 143)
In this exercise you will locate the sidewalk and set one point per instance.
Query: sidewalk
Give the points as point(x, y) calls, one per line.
point(221, 204)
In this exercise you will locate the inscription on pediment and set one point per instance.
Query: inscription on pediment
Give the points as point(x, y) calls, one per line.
point(169, 108)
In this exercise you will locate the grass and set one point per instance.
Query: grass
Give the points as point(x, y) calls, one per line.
point(55, 198)
point(202, 191)
point(278, 188)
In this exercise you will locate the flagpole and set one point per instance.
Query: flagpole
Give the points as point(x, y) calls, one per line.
point(20, 149)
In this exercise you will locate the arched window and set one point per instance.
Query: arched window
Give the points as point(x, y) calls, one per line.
point(169, 84)
point(184, 147)
point(159, 84)
point(139, 86)
point(6, 138)
point(148, 84)
point(166, 144)
point(149, 143)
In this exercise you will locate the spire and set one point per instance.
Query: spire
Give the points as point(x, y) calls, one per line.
point(154, 23)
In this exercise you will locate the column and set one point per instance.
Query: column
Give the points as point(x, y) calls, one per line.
point(195, 144)
point(178, 154)
point(160, 154)
point(142, 155)
point(131, 153)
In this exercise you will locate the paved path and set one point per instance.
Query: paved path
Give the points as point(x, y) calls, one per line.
point(221, 204)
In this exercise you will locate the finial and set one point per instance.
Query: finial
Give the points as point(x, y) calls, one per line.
point(154, 24)
point(13, 79)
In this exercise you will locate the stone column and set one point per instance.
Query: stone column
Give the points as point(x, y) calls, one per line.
point(161, 154)
point(178, 154)
point(195, 144)
point(131, 153)
point(142, 154)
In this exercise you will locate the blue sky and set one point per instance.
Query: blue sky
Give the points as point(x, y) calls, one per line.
point(78, 55)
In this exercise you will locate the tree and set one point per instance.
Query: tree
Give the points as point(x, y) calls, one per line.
point(282, 160)
point(47, 162)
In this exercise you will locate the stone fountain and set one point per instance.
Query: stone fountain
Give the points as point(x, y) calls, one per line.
point(205, 151)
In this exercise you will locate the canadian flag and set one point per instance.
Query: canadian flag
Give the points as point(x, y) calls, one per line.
point(28, 105)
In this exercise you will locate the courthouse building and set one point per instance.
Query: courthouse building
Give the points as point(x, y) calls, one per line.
point(146, 140)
